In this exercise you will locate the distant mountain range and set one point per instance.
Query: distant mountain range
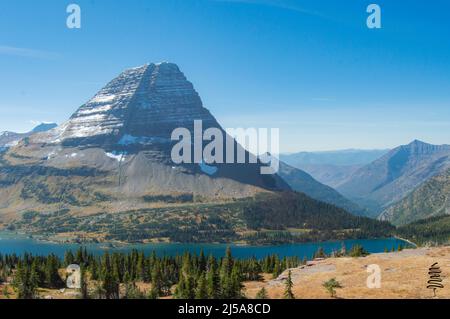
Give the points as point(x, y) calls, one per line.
point(393, 176)
point(8, 139)
point(332, 168)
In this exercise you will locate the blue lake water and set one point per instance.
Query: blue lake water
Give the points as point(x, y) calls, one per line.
point(12, 243)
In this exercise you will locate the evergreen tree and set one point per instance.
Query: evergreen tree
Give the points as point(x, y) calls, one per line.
point(276, 269)
point(288, 294)
point(320, 253)
point(212, 279)
point(140, 268)
point(94, 269)
point(157, 284)
point(52, 278)
point(262, 294)
point(25, 289)
point(331, 286)
point(201, 292)
point(235, 291)
point(68, 258)
point(110, 286)
point(358, 251)
point(83, 284)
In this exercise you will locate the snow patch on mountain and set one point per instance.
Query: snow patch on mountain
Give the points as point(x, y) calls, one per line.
point(120, 157)
point(132, 140)
point(103, 98)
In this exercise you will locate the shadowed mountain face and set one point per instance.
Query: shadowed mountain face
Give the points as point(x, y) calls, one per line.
point(301, 181)
point(390, 178)
point(430, 199)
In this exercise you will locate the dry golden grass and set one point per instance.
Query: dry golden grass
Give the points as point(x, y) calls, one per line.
point(404, 275)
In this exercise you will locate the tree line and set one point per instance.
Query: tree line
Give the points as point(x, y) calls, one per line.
point(115, 275)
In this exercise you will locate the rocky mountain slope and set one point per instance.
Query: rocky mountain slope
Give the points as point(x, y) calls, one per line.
point(430, 199)
point(301, 181)
point(390, 178)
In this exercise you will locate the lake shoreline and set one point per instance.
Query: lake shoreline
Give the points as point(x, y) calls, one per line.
point(118, 244)
point(19, 244)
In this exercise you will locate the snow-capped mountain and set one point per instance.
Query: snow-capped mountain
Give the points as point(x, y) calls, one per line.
point(142, 105)
point(120, 143)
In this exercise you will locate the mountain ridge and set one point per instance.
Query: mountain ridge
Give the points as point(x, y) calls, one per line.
point(430, 199)
point(332, 167)
point(390, 178)
point(301, 181)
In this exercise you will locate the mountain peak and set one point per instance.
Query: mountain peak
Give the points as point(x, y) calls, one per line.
point(418, 142)
point(420, 147)
point(43, 127)
point(145, 103)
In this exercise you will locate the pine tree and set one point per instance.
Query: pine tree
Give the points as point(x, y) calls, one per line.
point(52, 279)
point(262, 294)
point(235, 290)
point(212, 280)
point(141, 271)
point(358, 251)
point(83, 284)
point(34, 278)
point(156, 281)
point(201, 292)
point(110, 286)
point(288, 294)
point(94, 269)
point(227, 263)
point(25, 290)
point(331, 286)
point(320, 253)
point(276, 270)
point(202, 262)
point(68, 258)
point(79, 257)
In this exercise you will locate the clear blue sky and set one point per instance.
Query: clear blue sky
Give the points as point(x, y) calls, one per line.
point(311, 68)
